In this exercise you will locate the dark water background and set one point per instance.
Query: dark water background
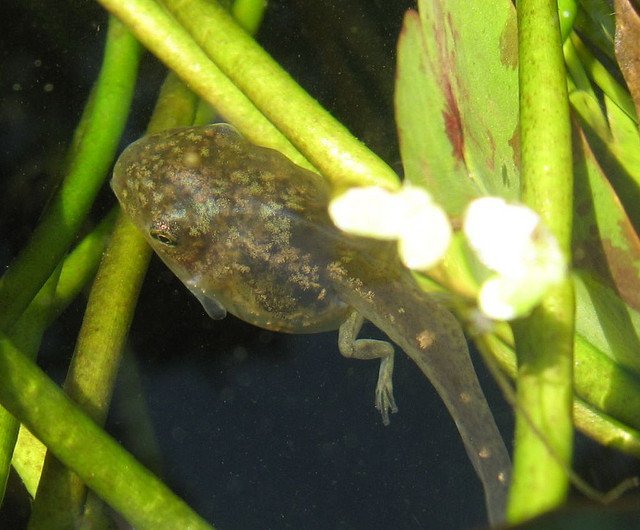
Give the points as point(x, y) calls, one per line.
point(253, 429)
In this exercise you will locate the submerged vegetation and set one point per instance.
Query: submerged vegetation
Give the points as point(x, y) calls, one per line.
point(529, 105)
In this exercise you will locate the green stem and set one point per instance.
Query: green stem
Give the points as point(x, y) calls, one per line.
point(606, 430)
point(28, 394)
point(59, 290)
point(95, 144)
point(28, 332)
point(324, 140)
point(248, 14)
point(603, 79)
point(112, 301)
point(106, 322)
point(28, 457)
point(81, 265)
point(567, 11)
point(590, 420)
point(166, 39)
point(576, 69)
point(544, 341)
point(94, 365)
point(76, 271)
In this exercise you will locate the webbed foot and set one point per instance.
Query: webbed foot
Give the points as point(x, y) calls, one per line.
point(385, 401)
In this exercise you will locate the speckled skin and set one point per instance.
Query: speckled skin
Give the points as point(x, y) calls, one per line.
point(246, 229)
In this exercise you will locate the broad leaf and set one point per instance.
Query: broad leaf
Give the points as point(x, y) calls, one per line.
point(457, 100)
point(605, 242)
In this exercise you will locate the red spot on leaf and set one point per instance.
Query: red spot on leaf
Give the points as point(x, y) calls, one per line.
point(453, 123)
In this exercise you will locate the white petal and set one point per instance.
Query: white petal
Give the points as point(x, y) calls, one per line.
point(505, 298)
point(414, 198)
point(425, 238)
point(409, 215)
point(494, 301)
point(501, 233)
point(371, 211)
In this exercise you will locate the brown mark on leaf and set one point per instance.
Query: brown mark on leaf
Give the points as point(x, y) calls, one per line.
point(455, 35)
point(623, 270)
point(410, 13)
point(616, 263)
point(509, 43)
point(627, 46)
point(446, 65)
point(490, 159)
point(453, 122)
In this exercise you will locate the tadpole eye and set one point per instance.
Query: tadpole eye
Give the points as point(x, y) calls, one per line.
point(163, 233)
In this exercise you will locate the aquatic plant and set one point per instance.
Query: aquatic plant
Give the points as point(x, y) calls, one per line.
point(571, 155)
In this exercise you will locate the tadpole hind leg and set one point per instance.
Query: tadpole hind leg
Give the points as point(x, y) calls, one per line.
point(352, 347)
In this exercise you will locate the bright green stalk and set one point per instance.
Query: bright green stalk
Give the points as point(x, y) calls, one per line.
point(544, 341)
point(567, 11)
point(604, 80)
point(106, 322)
point(94, 366)
point(249, 13)
point(319, 136)
point(324, 141)
point(78, 267)
point(81, 445)
point(59, 290)
point(576, 69)
point(28, 457)
point(590, 420)
point(28, 330)
point(166, 39)
point(95, 143)
point(605, 429)
point(81, 264)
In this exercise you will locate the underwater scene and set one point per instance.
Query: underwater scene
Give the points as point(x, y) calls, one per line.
point(214, 211)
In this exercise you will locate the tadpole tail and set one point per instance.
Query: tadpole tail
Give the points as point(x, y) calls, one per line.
point(433, 338)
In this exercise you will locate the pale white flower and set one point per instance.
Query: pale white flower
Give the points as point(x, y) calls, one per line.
point(424, 238)
point(523, 255)
point(371, 212)
point(408, 215)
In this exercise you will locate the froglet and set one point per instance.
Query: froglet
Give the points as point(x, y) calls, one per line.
point(247, 231)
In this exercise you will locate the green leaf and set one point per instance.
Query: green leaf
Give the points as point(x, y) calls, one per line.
point(453, 61)
point(607, 323)
point(595, 22)
point(606, 376)
point(605, 242)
